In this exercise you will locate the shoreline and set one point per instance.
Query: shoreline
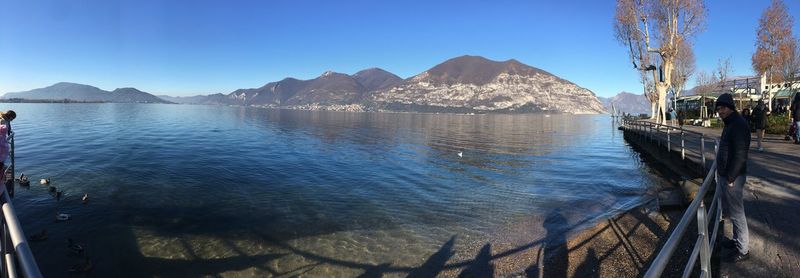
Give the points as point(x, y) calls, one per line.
point(479, 113)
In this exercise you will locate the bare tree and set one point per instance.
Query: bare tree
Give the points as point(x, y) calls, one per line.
point(723, 72)
point(684, 67)
point(650, 94)
point(790, 66)
point(659, 27)
point(625, 19)
point(775, 45)
point(704, 83)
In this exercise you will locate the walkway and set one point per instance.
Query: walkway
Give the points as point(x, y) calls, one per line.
point(772, 205)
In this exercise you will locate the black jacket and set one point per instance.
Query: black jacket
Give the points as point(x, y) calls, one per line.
point(733, 148)
point(796, 109)
point(759, 117)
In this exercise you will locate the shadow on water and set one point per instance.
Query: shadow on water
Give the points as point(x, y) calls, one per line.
point(375, 271)
point(436, 262)
point(589, 265)
point(556, 254)
point(127, 259)
point(481, 266)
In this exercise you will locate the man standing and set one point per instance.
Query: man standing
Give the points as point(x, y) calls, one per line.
point(760, 121)
point(731, 174)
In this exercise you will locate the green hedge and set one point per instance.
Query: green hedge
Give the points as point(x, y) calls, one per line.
point(778, 124)
point(716, 123)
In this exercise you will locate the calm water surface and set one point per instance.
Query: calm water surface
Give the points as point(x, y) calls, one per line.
point(190, 191)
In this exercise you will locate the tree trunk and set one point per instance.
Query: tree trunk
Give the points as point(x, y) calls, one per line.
point(662, 102)
point(662, 87)
point(769, 92)
point(653, 110)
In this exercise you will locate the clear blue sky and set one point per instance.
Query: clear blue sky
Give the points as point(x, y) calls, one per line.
point(193, 47)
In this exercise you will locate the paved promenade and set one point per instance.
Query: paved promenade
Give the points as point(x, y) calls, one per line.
point(772, 203)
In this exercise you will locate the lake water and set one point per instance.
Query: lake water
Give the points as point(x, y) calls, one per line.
point(190, 191)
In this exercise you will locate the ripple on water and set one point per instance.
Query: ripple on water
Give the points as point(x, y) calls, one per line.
point(209, 190)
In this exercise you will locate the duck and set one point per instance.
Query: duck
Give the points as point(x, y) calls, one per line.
point(23, 180)
point(85, 266)
point(51, 189)
point(85, 198)
point(40, 236)
point(460, 154)
point(74, 248)
point(45, 181)
point(60, 217)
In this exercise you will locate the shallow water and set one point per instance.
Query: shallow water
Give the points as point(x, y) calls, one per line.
point(188, 191)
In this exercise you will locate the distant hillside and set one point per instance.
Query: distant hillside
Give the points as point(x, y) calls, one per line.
point(328, 89)
point(198, 99)
point(477, 84)
point(464, 84)
point(629, 103)
point(376, 79)
point(85, 93)
point(134, 95)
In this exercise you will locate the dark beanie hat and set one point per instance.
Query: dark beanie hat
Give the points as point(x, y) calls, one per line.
point(726, 99)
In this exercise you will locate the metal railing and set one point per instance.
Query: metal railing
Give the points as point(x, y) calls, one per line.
point(705, 242)
point(648, 131)
point(16, 252)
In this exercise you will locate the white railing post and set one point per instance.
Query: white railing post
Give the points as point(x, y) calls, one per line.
point(658, 127)
point(669, 144)
point(705, 250)
point(656, 136)
point(15, 244)
point(662, 259)
point(21, 250)
point(683, 151)
point(703, 151)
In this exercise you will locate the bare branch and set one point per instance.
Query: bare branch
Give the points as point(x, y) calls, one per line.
point(658, 28)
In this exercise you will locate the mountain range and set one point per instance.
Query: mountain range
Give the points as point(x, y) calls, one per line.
point(466, 84)
point(80, 92)
point(628, 102)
